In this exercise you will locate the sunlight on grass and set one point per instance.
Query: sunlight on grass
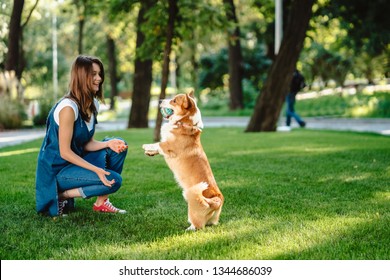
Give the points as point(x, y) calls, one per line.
point(239, 239)
point(322, 234)
point(382, 197)
point(19, 152)
point(185, 245)
point(246, 152)
point(322, 150)
point(311, 150)
point(347, 178)
point(308, 150)
point(355, 178)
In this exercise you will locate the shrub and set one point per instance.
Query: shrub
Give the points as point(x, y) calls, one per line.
point(44, 109)
point(250, 93)
point(12, 113)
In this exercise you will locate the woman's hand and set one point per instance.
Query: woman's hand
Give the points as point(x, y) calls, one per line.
point(102, 176)
point(117, 145)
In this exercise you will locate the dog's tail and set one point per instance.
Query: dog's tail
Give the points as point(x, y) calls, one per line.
point(195, 194)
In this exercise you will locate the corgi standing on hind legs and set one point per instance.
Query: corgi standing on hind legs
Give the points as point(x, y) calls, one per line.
point(183, 152)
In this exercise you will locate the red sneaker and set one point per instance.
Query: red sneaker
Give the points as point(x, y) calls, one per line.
point(108, 208)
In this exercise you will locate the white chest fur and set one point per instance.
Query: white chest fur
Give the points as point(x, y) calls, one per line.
point(166, 131)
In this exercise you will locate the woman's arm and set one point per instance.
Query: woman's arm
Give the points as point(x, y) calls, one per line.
point(117, 145)
point(66, 123)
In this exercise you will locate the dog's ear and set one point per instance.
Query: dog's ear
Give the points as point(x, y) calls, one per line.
point(191, 94)
point(188, 102)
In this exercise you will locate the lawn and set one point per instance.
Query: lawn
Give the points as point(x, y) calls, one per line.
point(361, 105)
point(299, 195)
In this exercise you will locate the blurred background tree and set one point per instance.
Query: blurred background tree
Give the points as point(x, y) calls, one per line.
point(347, 42)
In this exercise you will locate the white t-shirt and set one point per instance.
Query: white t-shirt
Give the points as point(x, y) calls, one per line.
point(66, 102)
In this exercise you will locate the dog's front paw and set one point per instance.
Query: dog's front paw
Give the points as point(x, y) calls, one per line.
point(151, 153)
point(150, 149)
point(191, 228)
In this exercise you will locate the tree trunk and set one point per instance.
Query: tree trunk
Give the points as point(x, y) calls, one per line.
point(271, 99)
point(142, 82)
point(192, 44)
point(22, 60)
point(81, 30)
point(81, 8)
point(194, 74)
point(15, 30)
point(112, 70)
point(173, 10)
point(235, 59)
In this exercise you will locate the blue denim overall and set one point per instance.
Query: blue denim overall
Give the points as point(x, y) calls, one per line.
point(55, 174)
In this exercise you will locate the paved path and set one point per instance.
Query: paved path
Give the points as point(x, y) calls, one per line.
point(381, 126)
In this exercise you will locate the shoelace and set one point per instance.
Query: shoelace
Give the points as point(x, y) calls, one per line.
point(109, 205)
point(61, 206)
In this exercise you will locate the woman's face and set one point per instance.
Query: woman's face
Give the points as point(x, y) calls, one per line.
point(96, 79)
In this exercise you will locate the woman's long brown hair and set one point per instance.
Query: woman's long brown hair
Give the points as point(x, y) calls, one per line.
point(80, 85)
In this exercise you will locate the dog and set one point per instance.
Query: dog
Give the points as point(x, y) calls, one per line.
point(183, 152)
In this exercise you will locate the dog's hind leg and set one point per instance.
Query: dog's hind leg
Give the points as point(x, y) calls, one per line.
point(198, 207)
point(215, 217)
point(196, 218)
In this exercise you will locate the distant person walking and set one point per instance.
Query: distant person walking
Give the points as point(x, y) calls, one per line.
point(297, 83)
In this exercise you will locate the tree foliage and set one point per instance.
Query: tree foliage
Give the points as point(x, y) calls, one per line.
point(346, 38)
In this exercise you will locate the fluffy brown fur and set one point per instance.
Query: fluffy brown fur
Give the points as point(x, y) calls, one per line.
point(183, 152)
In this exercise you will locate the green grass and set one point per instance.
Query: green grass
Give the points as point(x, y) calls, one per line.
point(360, 105)
point(298, 195)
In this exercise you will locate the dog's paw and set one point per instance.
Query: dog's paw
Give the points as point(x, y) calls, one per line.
point(147, 146)
point(150, 149)
point(191, 228)
point(151, 153)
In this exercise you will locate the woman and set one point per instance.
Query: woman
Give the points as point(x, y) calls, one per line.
point(71, 163)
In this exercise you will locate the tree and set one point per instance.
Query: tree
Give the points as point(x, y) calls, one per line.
point(367, 39)
point(112, 70)
point(173, 11)
point(329, 65)
point(235, 58)
point(367, 23)
point(15, 61)
point(138, 117)
point(81, 6)
point(14, 36)
point(85, 9)
point(271, 98)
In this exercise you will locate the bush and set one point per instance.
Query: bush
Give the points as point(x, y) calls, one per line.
point(351, 106)
point(44, 109)
point(12, 113)
point(374, 106)
point(250, 93)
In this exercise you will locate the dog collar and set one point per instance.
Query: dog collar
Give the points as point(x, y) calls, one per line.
point(195, 125)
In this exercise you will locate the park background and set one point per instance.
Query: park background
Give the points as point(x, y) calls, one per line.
point(223, 50)
point(299, 195)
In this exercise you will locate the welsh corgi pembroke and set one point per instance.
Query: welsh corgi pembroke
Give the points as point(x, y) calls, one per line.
point(183, 152)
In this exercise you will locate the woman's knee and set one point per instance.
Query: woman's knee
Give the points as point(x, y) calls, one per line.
point(118, 180)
